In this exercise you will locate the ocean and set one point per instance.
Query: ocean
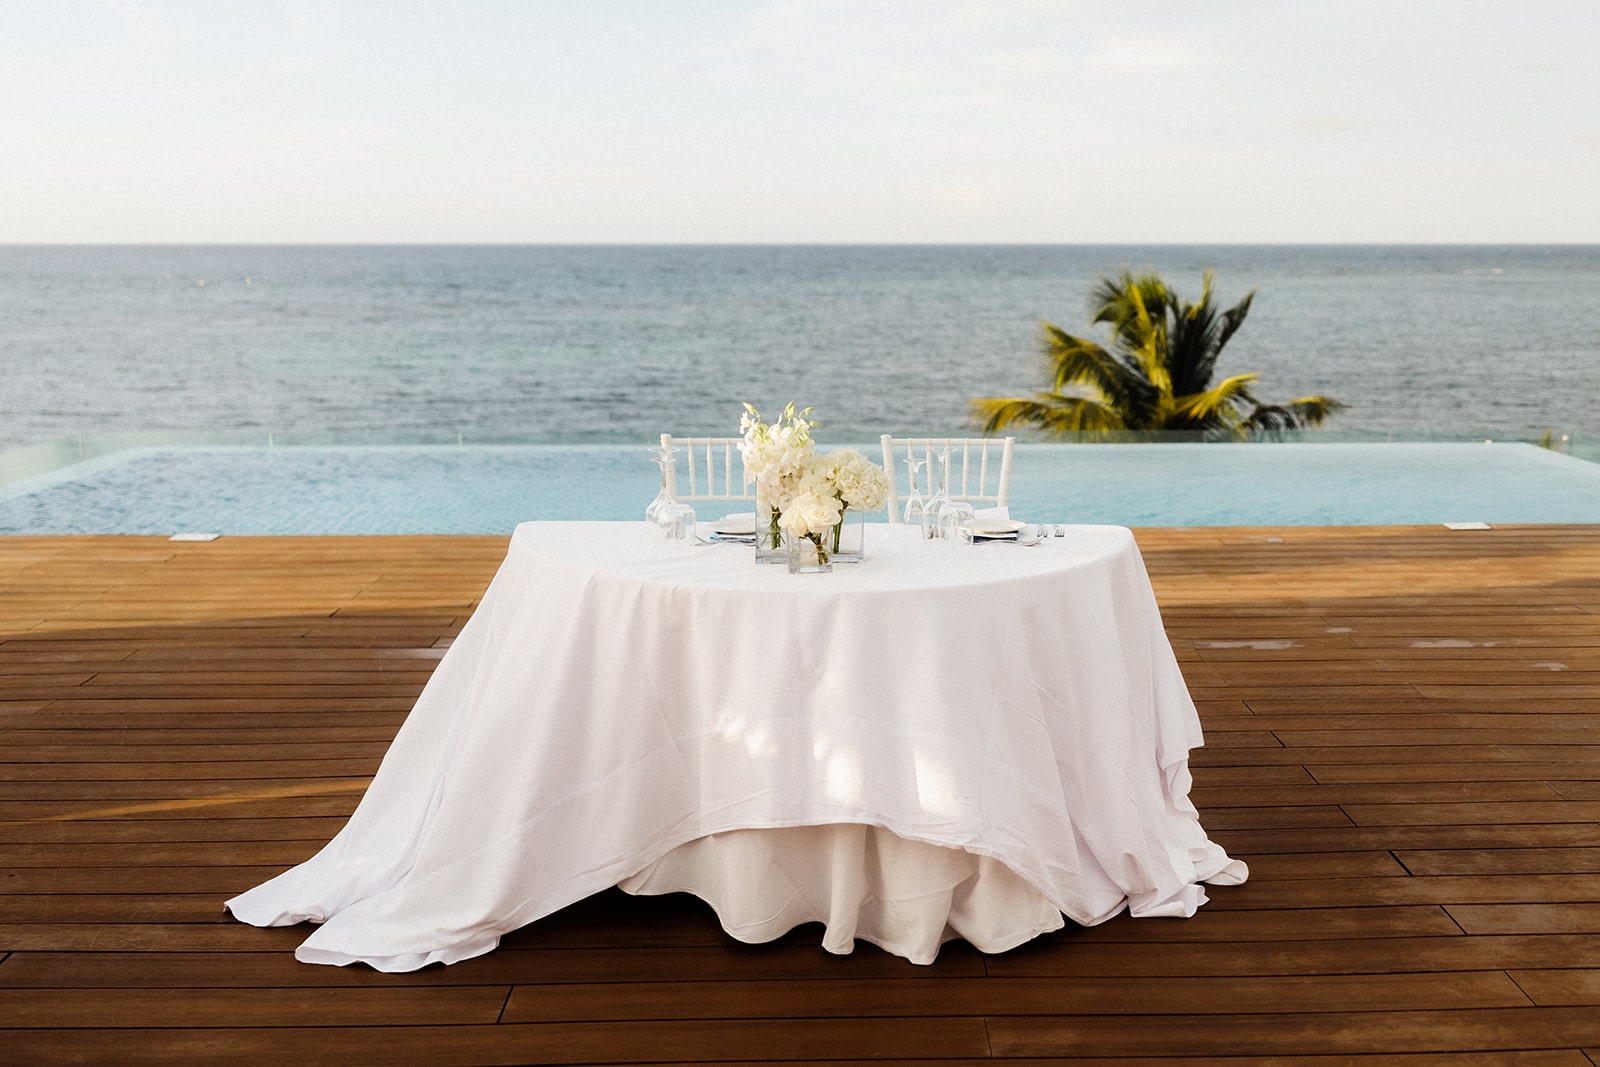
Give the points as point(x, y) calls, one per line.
point(613, 344)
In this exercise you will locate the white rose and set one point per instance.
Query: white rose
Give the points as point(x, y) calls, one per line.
point(811, 511)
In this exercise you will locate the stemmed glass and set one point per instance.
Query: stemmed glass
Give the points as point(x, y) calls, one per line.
point(916, 508)
point(941, 494)
point(674, 518)
point(666, 459)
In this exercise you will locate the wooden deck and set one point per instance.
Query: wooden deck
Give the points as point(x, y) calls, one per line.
point(1403, 740)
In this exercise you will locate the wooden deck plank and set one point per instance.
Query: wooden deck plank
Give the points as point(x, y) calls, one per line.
point(1334, 840)
point(1369, 1033)
point(1559, 987)
point(127, 831)
point(910, 997)
point(718, 1041)
point(1403, 740)
point(19, 773)
point(193, 1007)
point(522, 967)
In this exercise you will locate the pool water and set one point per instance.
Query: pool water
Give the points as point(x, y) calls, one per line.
point(488, 489)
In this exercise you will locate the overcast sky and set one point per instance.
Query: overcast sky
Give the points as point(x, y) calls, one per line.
point(1199, 121)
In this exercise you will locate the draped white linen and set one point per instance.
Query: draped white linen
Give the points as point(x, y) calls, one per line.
point(1008, 724)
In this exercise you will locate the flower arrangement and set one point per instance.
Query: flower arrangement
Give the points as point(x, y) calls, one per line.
point(842, 480)
point(807, 493)
point(773, 455)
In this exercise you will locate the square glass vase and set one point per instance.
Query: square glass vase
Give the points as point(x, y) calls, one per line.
point(850, 538)
point(769, 535)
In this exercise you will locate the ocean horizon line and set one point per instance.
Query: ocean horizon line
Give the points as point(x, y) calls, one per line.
point(1521, 245)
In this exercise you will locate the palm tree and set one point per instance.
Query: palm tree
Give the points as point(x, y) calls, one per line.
point(1156, 375)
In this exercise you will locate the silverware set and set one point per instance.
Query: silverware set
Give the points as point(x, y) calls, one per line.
point(1039, 533)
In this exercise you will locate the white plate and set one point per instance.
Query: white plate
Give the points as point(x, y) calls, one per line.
point(736, 525)
point(997, 527)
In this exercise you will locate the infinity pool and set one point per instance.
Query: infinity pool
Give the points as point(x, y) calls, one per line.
point(488, 489)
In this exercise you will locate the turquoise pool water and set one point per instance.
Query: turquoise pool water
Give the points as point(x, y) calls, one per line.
point(488, 489)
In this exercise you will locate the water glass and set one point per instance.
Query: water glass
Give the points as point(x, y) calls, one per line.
point(957, 521)
point(676, 521)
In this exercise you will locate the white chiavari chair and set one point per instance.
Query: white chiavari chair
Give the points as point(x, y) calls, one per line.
point(980, 469)
point(713, 469)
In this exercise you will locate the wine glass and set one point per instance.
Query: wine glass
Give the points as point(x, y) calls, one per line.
point(941, 494)
point(916, 507)
point(666, 459)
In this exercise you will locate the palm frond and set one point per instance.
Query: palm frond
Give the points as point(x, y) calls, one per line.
point(1314, 410)
point(1192, 351)
point(1226, 396)
point(1070, 361)
point(1144, 344)
point(1215, 411)
point(1129, 302)
point(1233, 318)
point(1199, 336)
point(1055, 413)
point(1306, 412)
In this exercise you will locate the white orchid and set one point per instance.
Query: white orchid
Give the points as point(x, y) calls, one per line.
point(773, 458)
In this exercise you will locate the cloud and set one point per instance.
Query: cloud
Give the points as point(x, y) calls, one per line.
point(1329, 124)
point(1144, 54)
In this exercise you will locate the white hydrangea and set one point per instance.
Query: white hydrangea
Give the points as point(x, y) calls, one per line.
point(860, 483)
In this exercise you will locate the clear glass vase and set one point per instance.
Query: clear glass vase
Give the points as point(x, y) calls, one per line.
point(808, 553)
point(847, 540)
point(769, 535)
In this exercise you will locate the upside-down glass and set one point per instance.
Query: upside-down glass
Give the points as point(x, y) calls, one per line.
point(916, 513)
point(666, 459)
point(941, 494)
point(957, 520)
point(676, 521)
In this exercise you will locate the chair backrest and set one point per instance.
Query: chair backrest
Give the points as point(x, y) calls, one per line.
point(980, 469)
point(714, 469)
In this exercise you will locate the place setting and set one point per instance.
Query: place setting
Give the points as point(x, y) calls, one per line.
point(1005, 532)
point(738, 528)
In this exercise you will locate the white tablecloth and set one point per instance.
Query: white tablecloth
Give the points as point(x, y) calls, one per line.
point(949, 740)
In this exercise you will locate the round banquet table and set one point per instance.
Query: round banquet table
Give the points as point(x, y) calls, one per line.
point(943, 741)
